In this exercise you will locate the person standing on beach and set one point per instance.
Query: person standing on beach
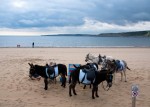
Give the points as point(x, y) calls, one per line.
point(33, 45)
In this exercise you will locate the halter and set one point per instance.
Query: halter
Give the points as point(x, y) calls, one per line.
point(31, 72)
point(32, 69)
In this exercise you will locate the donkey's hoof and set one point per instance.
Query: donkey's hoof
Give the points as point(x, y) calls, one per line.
point(63, 86)
point(70, 95)
point(75, 93)
point(93, 97)
point(97, 96)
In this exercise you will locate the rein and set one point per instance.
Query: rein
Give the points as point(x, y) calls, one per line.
point(105, 88)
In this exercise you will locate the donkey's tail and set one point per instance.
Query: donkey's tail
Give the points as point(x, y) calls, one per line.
point(70, 79)
point(65, 70)
point(128, 68)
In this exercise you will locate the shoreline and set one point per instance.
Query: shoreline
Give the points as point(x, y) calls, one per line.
point(88, 47)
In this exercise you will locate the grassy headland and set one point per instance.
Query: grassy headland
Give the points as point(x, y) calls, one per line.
point(123, 34)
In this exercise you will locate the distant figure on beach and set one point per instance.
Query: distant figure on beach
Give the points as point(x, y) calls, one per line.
point(33, 45)
point(18, 46)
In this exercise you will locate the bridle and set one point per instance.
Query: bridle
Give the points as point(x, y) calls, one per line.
point(31, 71)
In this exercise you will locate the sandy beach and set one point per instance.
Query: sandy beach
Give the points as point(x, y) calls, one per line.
point(18, 90)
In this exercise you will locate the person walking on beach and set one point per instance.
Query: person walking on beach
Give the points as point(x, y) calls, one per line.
point(33, 45)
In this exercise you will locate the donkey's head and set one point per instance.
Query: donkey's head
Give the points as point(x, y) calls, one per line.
point(87, 57)
point(109, 79)
point(31, 69)
point(111, 65)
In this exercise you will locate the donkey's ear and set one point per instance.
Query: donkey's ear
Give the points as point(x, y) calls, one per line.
point(75, 66)
point(88, 54)
point(30, 64)
point(46, 64)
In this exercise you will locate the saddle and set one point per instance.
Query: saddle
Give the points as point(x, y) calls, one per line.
point(119, 65)
point(90, 74)
point(50, 72)
point(91, 65)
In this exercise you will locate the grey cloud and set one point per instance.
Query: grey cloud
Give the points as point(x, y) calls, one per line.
point(47, 13)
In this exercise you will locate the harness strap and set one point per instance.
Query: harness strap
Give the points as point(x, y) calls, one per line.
point(95, 67)
point(105, 88)
point(54, 74)
point(83, 78)
point(47, 72)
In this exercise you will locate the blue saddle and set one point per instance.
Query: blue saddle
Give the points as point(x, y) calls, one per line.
point(87, 76)
point(119, 65)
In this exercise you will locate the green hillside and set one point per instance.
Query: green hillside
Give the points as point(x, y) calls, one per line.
point(136, 33)
point(124, 34)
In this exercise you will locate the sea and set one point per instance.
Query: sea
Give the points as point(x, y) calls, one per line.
point(73, 41)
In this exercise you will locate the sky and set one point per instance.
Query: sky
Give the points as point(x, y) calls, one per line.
point(42, 17)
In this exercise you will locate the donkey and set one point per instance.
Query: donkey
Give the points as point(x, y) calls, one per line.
point(49, 72)
point(79, 75)
point(118, 66)
point(90, 66)
point(100, 60)
point(93, 59)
